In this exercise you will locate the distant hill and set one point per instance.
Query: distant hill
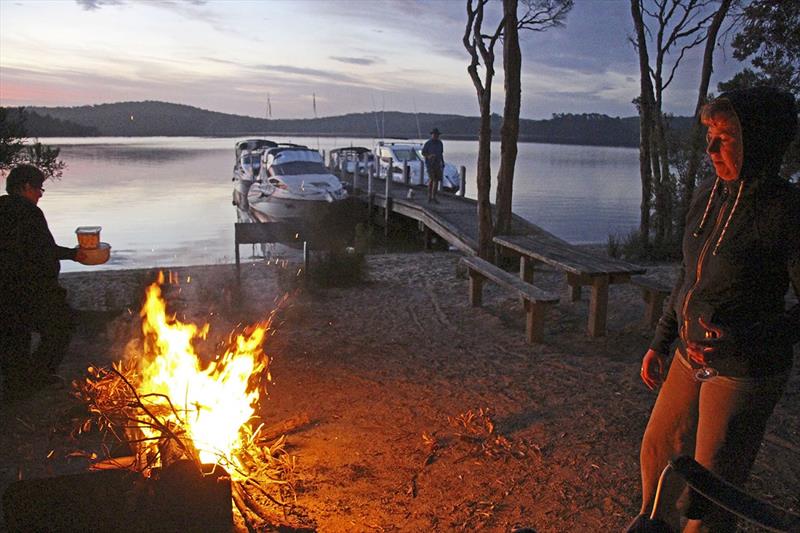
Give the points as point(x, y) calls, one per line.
point(161, 118)
point(36, 125)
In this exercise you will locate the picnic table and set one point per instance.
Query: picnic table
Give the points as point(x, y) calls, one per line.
point(581, 267)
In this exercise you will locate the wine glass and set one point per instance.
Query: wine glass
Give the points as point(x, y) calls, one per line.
point(705, 372)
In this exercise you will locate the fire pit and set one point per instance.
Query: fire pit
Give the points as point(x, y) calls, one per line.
point(196, 449)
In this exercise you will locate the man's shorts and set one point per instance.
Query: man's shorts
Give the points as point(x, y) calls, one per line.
point(435, 174)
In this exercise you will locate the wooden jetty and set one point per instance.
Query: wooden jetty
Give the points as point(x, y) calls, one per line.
point(455, 220)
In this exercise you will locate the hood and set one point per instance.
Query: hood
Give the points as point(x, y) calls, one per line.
point(769, 123)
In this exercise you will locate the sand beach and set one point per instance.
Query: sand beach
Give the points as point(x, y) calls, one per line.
point(425, 414)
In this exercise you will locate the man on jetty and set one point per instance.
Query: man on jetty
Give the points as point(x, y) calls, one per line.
point(433, 152)
point(30, 297)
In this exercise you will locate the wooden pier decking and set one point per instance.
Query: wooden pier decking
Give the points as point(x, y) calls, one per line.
point(454, 218)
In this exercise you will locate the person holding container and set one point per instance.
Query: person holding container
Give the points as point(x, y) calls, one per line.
point(30, 297)
point(741, 253)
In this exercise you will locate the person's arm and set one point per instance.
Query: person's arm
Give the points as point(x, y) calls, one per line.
point(62, 253)
point(667, 327)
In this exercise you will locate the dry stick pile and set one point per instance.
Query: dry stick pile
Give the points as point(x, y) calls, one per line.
point(261, 471)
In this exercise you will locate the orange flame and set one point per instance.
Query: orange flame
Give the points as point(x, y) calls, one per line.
point(211, 404)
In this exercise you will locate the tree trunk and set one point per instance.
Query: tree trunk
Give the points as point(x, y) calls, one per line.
point(484, 175)
point(696, 140)
point(645, 126)
point(509, 132)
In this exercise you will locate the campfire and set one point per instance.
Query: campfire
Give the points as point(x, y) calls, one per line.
point(171, 408)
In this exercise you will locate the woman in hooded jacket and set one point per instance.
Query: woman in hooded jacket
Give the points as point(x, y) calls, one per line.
point(741, 252)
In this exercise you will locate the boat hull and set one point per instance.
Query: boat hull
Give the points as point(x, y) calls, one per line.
point(274, 209)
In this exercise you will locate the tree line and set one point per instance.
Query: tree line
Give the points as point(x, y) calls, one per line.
point(166, 119)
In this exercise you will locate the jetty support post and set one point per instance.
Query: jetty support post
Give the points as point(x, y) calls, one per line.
point(462, 174)
point(370, 193)
point(388, 198)
point(421, 172)
point(324, 161)
point(355, 173)
point(406, 173)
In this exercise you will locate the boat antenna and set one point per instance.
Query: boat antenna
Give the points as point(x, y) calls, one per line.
point(383, 115)
point(269, 106)
point(314, 101)
point(416, 116)
point(375, 114)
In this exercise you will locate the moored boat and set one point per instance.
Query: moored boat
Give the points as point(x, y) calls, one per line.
point(293, 185)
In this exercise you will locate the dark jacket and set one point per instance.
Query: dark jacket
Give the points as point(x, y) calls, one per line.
point(741, 251)
point(29, 256)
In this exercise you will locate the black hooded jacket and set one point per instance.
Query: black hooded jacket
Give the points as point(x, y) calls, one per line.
point(741, 251)
point(29, 256)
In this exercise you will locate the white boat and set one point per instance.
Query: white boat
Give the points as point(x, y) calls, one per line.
point(293, 184)
point(247, 167)
point(347, 158)
point(394, 154)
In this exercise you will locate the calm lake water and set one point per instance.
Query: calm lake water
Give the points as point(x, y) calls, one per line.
point(166, 201)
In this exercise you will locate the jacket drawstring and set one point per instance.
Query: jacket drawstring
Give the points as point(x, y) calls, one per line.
point(730, 216)
point(699, 229)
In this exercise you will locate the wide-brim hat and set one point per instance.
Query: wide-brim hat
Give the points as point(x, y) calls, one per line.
point(435, 131)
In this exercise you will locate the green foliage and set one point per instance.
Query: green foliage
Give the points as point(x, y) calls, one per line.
point(633, 249)
point(15, 148)
point(770, 39)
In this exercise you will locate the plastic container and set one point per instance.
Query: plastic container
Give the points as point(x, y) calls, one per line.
point(97, 256)
point(88, 237)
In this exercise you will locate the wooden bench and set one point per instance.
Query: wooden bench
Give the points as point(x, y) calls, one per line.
point(535, 299)
point(654, 293)
point(581, 267)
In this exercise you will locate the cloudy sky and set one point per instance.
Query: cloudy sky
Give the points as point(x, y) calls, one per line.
point(355, 55)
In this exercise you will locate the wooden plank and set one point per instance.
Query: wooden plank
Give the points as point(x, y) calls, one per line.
point(654, 293)
point(509, 280)
point(564, 256)
point(475, 289)
point(598, 306)
point(525, 269)
point(258, 232)
point(534, 321)
point(574, 287)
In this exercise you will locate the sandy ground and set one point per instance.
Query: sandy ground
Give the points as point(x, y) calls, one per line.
point(389, 371)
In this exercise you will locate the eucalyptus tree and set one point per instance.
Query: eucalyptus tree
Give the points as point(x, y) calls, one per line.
point(670, 28)
point(539, 15)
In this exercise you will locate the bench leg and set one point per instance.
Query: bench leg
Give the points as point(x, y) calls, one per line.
point(525, 269)
point(573, 288)
point(598, 306)
point(475, 289)
point(534, 322)
point(654, 306)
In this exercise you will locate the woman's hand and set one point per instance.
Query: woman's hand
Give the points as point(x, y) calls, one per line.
point(81, 256)
point(714, 344)
point(652, 369)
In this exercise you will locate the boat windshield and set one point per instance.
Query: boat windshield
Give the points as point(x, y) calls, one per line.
point(252, 160)
point(405, 154)
point(296, 168)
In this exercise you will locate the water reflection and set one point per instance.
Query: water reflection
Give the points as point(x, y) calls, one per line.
point(167, 201)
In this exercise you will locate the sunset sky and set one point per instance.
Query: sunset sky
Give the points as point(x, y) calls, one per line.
point(357, 56)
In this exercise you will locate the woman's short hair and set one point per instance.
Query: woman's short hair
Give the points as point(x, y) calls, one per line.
point(22, 174)
point(718, 106)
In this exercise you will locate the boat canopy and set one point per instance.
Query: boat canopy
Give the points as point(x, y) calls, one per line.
point(294, 161)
